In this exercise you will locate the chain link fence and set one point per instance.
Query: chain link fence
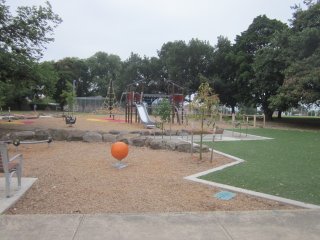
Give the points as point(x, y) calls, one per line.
point(89, 104)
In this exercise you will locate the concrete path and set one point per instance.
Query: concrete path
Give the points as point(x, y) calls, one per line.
point(226, 136)
point(284, 225)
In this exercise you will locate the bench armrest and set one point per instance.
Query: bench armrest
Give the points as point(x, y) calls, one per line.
point(18, 156)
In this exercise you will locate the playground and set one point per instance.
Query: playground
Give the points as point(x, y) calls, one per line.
point(78, 177)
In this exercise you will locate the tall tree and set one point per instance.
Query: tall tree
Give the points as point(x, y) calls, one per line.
point(174, 58)
point(200, 62)
point(23, 37)
point(302, 78)
point(251, 46)
point(104, 67)
point(27, 32)
point(184, 63)
point(67, 72)
point(224, 72)
point(46, 78)
point(131, 72)
point(269, 65)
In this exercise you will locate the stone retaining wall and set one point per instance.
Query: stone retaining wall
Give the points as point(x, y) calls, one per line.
point(134, 138)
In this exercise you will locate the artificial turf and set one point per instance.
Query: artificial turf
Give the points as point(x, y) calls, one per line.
point(287, 165)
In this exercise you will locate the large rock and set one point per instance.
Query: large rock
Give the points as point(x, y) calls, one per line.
point(158, 133)
point(92, 137)
point(108, 137)
point(183, 147)
point(114, 132)
point(59, 134)
point(182, 133)
point(147, 142)
point(157, 144)
point(170, 132)
point(135, 132)
point(126, 137)
point(146, 133)
point(172, 144)
point(42, 134)
point(196, 148)
point(138, 141)
point(23, 135)
point(75, 135)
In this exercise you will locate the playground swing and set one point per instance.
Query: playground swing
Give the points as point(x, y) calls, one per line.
point(70, 120)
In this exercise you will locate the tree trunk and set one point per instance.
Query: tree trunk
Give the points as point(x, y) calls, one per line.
point(268, 114)
point(233, 109)
point(279, 114)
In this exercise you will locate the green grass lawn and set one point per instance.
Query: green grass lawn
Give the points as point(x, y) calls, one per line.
point(286, 166)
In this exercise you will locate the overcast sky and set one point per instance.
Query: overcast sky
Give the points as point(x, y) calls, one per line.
point(143, 26)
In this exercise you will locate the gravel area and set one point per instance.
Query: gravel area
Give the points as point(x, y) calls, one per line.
point(77, 177)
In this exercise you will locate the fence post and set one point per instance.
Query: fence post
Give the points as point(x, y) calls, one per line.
point(254, 120)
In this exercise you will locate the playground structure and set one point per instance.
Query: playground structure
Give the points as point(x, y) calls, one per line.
point(70, 118)
point(110, 101)
point(135, 106)
point(144, 116)
point(178, 110)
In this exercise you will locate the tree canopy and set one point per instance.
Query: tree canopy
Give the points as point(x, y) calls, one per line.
point(23, 37)
point(302, 76)
point(270, 65)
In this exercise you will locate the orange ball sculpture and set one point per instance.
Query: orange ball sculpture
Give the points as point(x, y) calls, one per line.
point(119, 150)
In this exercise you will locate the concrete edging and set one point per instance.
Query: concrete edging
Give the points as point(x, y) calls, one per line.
point(6, 203)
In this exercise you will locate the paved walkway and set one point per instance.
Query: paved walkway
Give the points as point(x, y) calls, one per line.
point(255, 225)
point(226, 136)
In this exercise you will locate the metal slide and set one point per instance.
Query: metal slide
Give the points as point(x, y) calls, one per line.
point(144, 116)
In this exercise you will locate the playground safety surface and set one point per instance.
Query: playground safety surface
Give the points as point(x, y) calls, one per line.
point(77, 177)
